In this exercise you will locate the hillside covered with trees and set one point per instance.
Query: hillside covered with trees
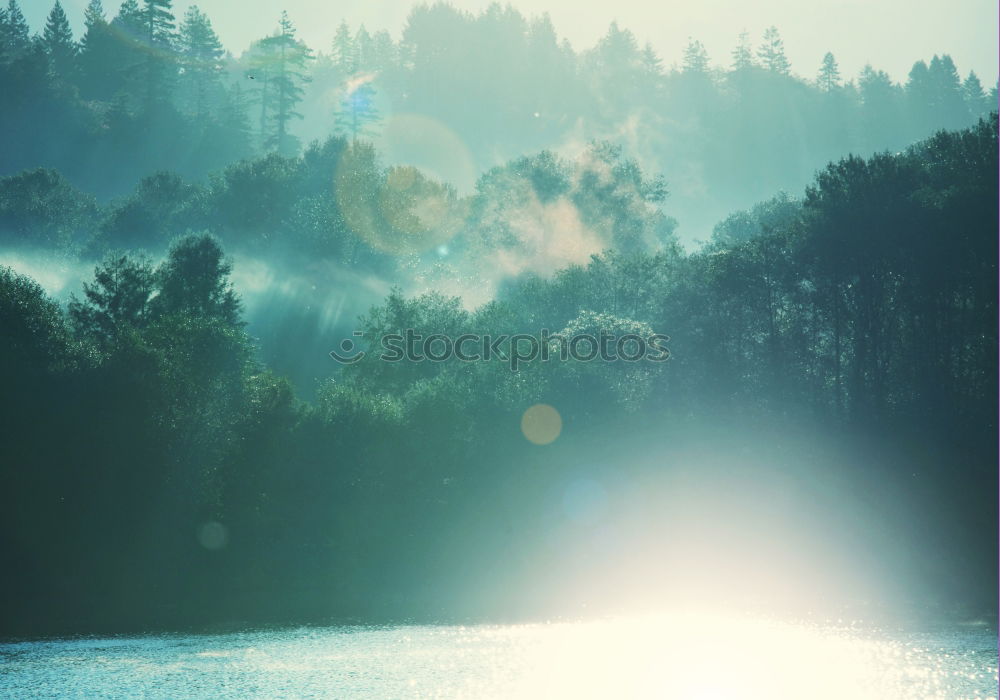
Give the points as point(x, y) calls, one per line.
point(165, 476)
point(144, 90)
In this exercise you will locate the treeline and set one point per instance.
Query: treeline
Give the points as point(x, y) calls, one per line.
point(145, 90)
point(140, 91)
point(509, 77)
point(338, 201)
point(156, 474)
point(320, 224)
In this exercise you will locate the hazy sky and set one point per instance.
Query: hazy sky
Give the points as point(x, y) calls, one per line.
point(891, 34)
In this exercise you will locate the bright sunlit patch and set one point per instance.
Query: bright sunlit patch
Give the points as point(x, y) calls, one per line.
point(698, 655)
point(682, 655)
point(541, 424)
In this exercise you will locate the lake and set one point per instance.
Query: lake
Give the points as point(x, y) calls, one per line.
point(662, 656)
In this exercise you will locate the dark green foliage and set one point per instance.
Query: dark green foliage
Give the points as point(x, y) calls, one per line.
point(14, 32)
point(40, 209)
point(868, 306)
point(91, 109)
point(34, 332)
point(57, 38)
point(116, 302)
point(162, 206)
point(194, 281)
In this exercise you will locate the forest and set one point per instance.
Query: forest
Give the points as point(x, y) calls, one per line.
point(186, 234)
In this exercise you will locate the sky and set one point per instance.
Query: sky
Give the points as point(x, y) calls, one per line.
point(889, 34)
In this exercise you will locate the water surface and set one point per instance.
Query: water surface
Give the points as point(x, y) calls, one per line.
point(667, 656)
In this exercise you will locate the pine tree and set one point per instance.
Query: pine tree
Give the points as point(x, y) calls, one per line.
point(772, 52)
point(695, 58)
point(742, 54)
point(384, 51)
point(158, 22)
point(918, 82)
point(365, 50)
point(116, 70)
point(948, 102)
point(282, 59)
point(829, 74)
point(16, 39)
point(651, 63)
point(57, 40)
point(975, 96)
point(879, 109)
point(160, 62)
point(116, 301)
point(345, 55)
point(201, 55)
point(93, 21)
point(130, 17)
point(93, 14)
point(96, 50)
point(920, 99)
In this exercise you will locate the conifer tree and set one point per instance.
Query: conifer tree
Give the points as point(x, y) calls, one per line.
point(57, 40)
point(130, 17)
point(15, 37)
point(975, 96)
point(695, 58)
point(772, 52)
point(829, 74)
point(948, 101)
point(345, 55)
point(159, 38)
point(651, 63)
point(96, 54)
point(742, 54)
point(284, 59)
point(201, 55)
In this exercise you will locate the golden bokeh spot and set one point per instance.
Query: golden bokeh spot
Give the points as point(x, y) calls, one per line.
point(396, 210)
point(541, 424)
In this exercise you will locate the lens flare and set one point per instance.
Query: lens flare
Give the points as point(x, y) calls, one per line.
point(541, 424)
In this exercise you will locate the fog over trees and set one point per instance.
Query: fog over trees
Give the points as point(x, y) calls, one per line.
point(142, 90)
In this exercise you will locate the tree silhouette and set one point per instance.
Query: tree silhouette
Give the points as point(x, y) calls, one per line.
point(14, 33)
point(742, 54)
point(772, 52)
point(159, 39)
point(279, 67)
point(695, 58)
point(828, 79)
point(201, 59)
point(57, 38)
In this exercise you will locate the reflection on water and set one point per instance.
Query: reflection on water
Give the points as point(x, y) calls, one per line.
point(667, 656)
